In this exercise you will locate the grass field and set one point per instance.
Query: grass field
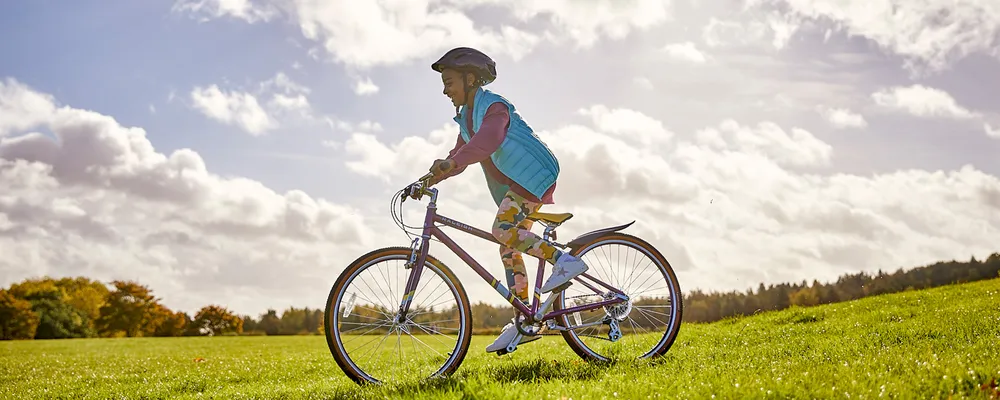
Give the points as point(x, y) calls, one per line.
point(936, 343)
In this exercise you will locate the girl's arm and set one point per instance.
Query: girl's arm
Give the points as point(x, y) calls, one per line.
point(457, 170)
point(491, 134)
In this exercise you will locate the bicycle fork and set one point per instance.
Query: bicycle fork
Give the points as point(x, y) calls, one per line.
point(418, 255)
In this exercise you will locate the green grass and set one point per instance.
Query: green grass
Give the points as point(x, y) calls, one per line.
point(937, 343)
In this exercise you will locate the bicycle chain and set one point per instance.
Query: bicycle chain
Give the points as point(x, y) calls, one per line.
point(583, 334)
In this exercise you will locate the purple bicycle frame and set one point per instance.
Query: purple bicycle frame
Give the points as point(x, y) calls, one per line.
point(432, 230)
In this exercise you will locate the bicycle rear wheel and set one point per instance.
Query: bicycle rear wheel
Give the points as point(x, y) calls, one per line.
point(362, 315)
point(648, 321)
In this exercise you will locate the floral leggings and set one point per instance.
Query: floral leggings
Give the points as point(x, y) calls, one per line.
point(514, 233)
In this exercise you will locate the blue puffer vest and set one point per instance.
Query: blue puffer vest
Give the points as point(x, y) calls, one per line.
point(522, 157)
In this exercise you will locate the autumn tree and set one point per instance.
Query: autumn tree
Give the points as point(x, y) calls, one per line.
point(17, 320)
point(57, 319)
point(216, 320)
point(167, 322)
point(130, 309)
point(84, 294)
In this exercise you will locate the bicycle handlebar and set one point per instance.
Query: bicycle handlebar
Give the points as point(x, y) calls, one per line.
point(417, 189)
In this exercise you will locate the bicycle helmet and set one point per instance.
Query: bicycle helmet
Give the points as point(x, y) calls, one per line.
point(471, 60)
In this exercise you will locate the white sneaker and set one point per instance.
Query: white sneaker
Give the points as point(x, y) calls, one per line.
point(567, 267)
point(506, 336)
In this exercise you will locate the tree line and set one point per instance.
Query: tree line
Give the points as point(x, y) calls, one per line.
point(48, 308)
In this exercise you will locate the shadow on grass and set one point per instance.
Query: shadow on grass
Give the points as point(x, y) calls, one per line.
point(395, 390)
point(543, 370)
point(526, 371)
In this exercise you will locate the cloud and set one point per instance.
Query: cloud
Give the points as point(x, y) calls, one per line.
point(931, 35)
point(364, 34)
point(755, 31)
point(365, 87)
point(585, 22)
point(990, 131)
point(797, 148)
point(232, 108)
point(842, 117)
point(22, 108)
point(632, 126)
point(243, 9)
point(685, 52)
point(643, 82)
point(287, 103)
point(921, 101)
point(97, 199)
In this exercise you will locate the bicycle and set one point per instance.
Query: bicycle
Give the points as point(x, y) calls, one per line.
point(351, 311)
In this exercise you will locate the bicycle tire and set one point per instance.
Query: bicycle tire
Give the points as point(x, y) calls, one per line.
point(669, 336)
point(331, 315)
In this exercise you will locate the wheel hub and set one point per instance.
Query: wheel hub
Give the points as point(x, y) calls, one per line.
point(400, 326)
point(617, 311)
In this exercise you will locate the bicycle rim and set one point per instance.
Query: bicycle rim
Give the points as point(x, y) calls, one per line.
point(648, 322)
point(366, 339)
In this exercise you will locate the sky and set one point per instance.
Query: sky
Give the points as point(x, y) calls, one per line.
point(243, 152)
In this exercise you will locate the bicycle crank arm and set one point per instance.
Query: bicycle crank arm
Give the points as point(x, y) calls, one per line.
point(548, 302)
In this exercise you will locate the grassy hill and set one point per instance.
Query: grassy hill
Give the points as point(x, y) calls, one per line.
point(935, 343)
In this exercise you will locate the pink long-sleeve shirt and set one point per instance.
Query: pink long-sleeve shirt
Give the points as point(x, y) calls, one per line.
point(487, 140)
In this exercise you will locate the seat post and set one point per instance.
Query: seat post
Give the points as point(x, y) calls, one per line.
point(550, 232)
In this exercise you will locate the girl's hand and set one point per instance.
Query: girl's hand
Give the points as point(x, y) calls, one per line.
point(441, 167)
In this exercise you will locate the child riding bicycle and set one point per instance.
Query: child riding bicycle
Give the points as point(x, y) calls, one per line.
point(520, 172)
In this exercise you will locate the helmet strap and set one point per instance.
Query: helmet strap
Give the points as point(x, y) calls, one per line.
point(465, 89)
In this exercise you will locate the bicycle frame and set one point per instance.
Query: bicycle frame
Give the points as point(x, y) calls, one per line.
point(532, 314)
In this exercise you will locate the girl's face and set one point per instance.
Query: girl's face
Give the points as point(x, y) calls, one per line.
point(453, 86)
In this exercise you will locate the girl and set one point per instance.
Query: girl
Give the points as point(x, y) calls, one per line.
point(520, 171)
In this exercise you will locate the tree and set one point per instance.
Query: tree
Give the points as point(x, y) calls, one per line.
point(216, 320)
point(59, 320)
point(130, 309)
point(17, 320)
point(249, 323)
point(85, 295)
point(270, 323)
point(169, 323)
point(805, 297)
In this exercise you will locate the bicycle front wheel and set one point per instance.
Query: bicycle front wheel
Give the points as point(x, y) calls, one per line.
point(648, 322)
point(365, 335)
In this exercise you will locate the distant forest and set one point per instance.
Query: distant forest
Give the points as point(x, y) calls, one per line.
point(48, 308)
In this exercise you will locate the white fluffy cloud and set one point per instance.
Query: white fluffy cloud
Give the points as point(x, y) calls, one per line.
point(931, 34)
point(286, 103)
point(990, 131)
point(842, 117)
point(99, 200)
point(21, 108)
point(757, 29)
point(365, 87)
point(371, 33)
point(243, 9)
point(922, 101)
point(685, 52)
point(233, 108)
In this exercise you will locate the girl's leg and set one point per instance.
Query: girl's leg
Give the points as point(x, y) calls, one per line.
point(513, 265)
point(507, 229)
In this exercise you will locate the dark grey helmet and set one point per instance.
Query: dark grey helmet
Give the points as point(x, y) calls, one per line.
point(471, 60)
